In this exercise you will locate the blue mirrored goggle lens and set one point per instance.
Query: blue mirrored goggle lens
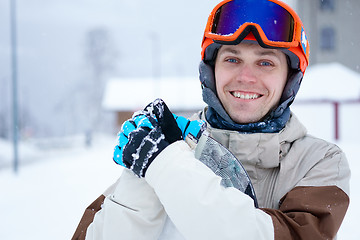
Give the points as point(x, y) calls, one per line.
point(276, 22)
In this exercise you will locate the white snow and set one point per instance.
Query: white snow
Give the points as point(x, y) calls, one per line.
point(46, 199)
point(330, 81)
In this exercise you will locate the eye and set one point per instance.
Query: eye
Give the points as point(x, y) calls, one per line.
point(266, 63)
point(231, 60)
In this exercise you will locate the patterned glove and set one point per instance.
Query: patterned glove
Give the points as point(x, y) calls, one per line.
point(143, 146)
point(123, 136)
point(144, 136)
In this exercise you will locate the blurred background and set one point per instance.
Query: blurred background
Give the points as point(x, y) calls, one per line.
point(67, 52)
point(72, 70)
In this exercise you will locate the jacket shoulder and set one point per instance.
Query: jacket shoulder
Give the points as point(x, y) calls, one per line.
point(321, 162)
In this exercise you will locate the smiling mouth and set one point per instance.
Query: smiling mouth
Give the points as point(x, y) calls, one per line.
point(245, 96)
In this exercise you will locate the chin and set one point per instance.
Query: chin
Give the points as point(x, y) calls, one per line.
point(246, 119)
point(244, 115)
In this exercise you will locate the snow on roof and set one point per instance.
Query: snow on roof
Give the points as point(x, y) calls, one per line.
point(331, 81)
point(132, 94)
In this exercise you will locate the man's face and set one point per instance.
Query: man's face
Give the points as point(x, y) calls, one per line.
point(249, 80)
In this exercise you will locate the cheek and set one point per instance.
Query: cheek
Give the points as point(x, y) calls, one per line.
point(223, 76)
point(278, 84)
point(283, 84)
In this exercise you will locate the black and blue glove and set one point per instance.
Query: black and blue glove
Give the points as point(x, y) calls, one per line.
point(144, 136)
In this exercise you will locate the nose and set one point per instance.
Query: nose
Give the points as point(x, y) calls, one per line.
point(246, 74)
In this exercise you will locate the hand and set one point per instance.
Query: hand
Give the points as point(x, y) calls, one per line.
point(144, 144)
point(146, 130)
point(123, 136)
point(144, 136)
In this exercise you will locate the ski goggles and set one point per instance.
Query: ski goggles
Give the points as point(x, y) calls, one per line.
point(275, 23)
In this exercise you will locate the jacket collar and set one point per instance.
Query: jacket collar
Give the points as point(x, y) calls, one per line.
point(264, 150)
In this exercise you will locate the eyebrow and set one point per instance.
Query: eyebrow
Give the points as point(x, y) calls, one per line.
point(262, 52)
point(266, 52)
point(230, 50)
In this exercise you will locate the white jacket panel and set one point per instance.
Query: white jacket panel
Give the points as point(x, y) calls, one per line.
point(224, 213)
point(131, 211)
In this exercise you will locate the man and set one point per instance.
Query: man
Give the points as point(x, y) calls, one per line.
point(254, 55)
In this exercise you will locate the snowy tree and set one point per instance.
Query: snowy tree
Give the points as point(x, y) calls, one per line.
point(101, 57)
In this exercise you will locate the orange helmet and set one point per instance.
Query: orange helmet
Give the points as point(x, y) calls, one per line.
point(272, 23)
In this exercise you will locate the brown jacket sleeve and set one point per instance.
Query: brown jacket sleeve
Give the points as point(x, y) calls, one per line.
point(310, 213)
point(87, 218)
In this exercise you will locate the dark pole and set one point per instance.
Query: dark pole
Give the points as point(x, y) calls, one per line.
point(14, 81)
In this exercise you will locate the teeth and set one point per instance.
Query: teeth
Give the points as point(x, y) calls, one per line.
point(245, 96)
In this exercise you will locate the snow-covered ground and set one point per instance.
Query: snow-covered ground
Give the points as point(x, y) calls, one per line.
point(47, 197)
